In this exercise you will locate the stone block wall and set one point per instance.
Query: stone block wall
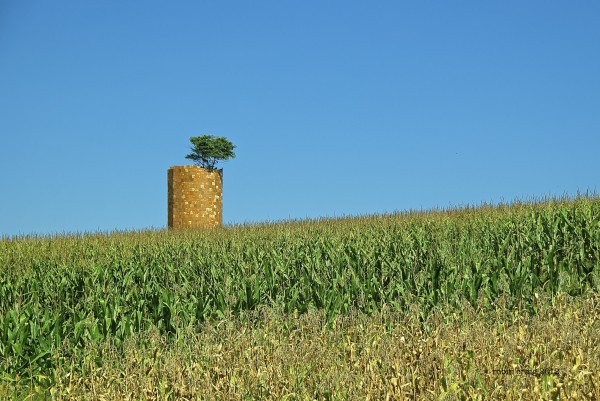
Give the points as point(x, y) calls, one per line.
point(195, 197)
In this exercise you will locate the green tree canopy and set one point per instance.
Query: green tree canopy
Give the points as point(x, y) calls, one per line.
point(207, 150)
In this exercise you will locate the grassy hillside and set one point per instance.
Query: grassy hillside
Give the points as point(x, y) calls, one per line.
point(421, 283)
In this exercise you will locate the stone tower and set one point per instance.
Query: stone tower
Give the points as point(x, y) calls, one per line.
point(195, 197)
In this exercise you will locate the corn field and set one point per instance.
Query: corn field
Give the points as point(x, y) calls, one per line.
point(61, 294)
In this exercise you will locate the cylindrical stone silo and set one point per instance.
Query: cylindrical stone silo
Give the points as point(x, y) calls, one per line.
point(195, 197)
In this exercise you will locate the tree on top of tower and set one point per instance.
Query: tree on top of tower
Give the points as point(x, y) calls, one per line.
point(207, 150)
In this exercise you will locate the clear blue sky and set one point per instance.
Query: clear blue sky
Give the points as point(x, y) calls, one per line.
point(336, 107)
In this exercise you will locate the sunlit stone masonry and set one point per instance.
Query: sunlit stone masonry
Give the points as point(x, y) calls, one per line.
point(195, 197)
